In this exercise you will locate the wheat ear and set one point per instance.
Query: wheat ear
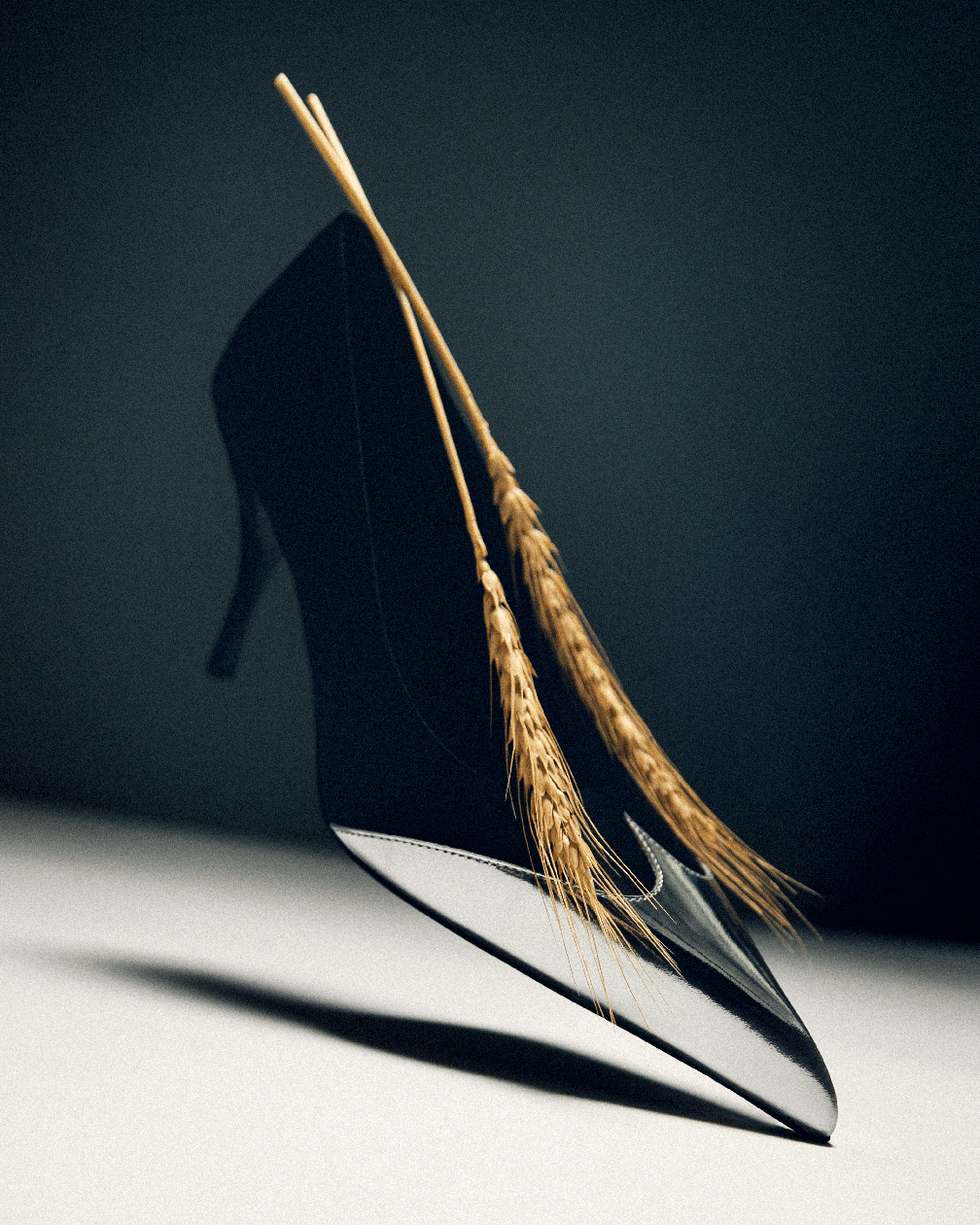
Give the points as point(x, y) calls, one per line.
point(571, 851)
point(733, 864)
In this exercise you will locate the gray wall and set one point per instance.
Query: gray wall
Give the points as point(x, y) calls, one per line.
point(711, 270)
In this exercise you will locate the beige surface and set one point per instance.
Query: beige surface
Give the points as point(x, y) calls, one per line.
point(201, 1029)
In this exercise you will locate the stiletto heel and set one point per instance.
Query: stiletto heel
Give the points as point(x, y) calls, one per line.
point(258, 557)
point(326, 417)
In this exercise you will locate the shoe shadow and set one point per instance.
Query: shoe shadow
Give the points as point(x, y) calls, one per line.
point(482, 1052)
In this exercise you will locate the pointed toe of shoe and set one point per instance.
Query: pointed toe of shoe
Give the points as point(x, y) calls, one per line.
point(723, 1014)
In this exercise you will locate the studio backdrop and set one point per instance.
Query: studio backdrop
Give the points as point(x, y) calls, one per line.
point(711, 270)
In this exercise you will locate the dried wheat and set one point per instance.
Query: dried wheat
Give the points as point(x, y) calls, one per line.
point(570, 849)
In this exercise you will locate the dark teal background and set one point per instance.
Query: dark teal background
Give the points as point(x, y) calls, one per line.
point(712, 272)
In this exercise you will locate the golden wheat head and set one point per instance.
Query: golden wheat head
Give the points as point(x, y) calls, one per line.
point(734, 864)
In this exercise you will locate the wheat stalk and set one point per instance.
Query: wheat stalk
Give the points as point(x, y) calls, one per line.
point(569, 847)
point(572, 853)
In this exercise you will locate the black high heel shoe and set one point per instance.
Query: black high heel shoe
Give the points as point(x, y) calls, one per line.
point(339, 464)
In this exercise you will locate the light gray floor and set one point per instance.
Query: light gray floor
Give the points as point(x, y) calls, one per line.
point(203, 1029)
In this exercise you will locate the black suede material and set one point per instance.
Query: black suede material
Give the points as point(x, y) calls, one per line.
point(325, 414)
